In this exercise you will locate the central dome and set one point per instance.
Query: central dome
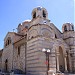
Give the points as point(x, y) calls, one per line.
point(39, 11)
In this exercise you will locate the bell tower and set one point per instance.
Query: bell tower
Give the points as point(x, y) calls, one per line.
point(69, 38)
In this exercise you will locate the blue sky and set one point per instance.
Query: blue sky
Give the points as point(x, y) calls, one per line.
point(13, 12)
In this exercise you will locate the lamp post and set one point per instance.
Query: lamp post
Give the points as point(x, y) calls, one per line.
point(47, 52)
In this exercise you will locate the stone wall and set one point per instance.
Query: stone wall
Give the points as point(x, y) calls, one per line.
point(19, 59)
point(7, 54)
point(36, 59)
point(69, 38)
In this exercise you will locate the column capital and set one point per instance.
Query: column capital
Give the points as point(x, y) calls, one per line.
point(57, 53)
point(65, 64)
point(65, 55)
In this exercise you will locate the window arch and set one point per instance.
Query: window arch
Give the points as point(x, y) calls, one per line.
point(34, 15)
point(65, 28)
point(61, 62)
point(19, 27)
point(6, 64)
point(26, 27)
point(55, 36)
point(44, 14)
point(19, 48)
point(8, 41)
point(73, 28)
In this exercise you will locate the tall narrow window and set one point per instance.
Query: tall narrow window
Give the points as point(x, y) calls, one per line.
point(65, 28)
point(19, 50)
point(8, 42)
point(44, 14)
point(34, 15)
point(55, 36)
point(72, 28)
point(6, 64)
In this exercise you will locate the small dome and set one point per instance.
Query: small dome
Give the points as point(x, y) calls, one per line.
point(27, 21)
point(19, 27)
point(67, 27)
point(20, 24)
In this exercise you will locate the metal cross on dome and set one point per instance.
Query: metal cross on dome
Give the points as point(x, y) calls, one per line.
point(39, 8)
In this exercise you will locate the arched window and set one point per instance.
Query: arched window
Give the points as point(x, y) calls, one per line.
point(26, 27)
point(6, 64)
point(72, 28)
point(8, 41)
point(55, 36)
point(44, 14)
point(65, 28)
point(6, 61)
point(34, 15)
point(19, 48)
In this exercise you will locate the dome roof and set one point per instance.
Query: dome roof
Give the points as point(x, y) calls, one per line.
point(67, 27)
point(39, 8)
point(27, 21)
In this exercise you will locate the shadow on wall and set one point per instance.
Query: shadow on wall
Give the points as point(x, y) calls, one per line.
point(17, 71)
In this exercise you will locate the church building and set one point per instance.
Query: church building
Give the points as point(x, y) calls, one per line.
point(39, 47)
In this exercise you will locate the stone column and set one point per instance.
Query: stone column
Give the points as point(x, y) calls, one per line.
point(65, 63)
point(57, 62)
point(70, 62)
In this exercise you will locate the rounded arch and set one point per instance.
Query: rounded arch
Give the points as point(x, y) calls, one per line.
point(6, 65)
point(60, 57)
point(34, 14)
point(61, 60)
point(8, 41)
point(67, 27)
point(47, 33)
point(44, 14)
point(73, 27)
point(32, 33)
